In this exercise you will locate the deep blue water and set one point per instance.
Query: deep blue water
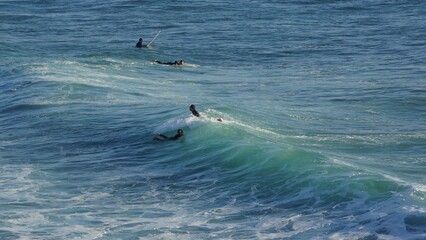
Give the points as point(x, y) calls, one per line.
point(323, 106)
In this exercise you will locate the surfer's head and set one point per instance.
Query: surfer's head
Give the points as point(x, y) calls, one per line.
point(192, 107)
point(181, 62)
point(180, 132)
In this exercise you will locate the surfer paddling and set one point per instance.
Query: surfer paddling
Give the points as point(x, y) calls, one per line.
point(197, 114)
point(175, 63)
point(160, 136)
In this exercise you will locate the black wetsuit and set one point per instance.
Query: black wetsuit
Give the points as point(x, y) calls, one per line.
point(175, 137)
point(195, 113)
point(139, 44)
point(167, 63)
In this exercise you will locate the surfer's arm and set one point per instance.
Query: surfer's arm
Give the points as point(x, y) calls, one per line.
point(160, 136)
point(163, 136)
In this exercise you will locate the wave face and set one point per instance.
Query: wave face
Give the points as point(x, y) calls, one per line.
point(323, 110)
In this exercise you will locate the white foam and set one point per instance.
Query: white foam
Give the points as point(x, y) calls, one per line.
point(80, 73)
point(173, 214)
point(192, 65)
point(298, 224)
point(178, 122)
point(213, 115)
point(16, 183)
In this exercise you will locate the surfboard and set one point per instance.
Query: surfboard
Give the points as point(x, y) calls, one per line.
point(149, 44)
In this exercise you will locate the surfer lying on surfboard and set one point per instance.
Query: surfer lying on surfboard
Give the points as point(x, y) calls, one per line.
point(197, 114)
point(175, 63)
point(160, 136)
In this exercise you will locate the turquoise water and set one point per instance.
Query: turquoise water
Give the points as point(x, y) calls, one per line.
point(323, 106)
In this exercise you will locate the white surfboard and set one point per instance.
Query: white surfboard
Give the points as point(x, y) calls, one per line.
point(153, 39)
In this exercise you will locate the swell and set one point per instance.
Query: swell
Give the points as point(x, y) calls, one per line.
point(264, 178)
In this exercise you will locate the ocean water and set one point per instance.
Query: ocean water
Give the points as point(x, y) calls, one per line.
point(323, 106)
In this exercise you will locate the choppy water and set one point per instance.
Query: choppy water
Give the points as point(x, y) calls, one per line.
point(324, 109)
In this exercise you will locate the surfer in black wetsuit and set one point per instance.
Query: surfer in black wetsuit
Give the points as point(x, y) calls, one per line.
point(197, 114)
point(194, 112)
point(139, 43)
point(175, 63)
point(164, 137)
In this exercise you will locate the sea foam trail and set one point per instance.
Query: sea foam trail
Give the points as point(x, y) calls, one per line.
point(212, 116)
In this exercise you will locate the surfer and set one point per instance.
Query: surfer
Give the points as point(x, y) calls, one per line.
point(164, 137)
point(197, 114)
point(175, 63)
point(194, 112)
point(139, 43)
